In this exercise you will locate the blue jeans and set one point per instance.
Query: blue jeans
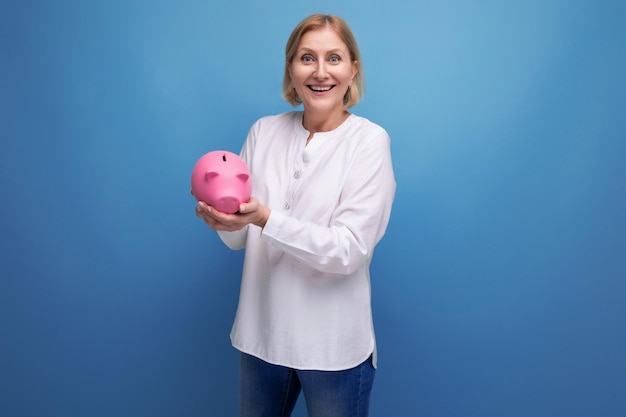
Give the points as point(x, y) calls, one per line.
point(268, 390)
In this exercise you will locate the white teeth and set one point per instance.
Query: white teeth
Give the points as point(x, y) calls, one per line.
point(316, 88)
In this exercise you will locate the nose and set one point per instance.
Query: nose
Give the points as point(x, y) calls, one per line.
point(320, 70)
point(228, 204)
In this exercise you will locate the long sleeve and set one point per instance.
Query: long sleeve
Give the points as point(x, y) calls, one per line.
point(234, 240)
point(358, 220)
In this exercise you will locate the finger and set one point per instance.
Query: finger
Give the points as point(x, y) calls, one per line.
point(203, 207)
point(209, 222)
point(215, 225)
point(200, 212)
point(248, 207)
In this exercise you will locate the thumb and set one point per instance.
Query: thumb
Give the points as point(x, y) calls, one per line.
point(247, 207)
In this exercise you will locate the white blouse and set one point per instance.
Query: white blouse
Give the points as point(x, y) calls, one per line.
point(305, 298)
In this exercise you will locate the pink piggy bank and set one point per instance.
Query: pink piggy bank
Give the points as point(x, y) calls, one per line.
point(222, 180)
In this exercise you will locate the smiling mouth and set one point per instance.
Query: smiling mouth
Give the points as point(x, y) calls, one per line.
point(321, 89)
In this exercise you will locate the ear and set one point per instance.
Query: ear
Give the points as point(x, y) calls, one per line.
point(209, 175)
point(243, 176)
point(355, 69)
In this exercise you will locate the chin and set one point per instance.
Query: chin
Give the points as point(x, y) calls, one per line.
point(318, 107)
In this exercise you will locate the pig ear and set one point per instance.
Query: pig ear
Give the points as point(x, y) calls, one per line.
point(210, 174)
point(243, 176)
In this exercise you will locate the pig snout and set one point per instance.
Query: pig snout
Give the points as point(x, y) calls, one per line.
point(228, 204)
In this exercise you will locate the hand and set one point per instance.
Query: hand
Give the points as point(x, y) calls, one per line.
point(252, 212)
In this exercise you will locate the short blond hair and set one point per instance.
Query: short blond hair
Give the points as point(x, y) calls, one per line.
point(321, 21)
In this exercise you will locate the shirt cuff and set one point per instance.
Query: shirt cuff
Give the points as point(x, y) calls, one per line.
point(272, 225)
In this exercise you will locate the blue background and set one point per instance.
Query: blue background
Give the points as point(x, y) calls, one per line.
point(499, 289)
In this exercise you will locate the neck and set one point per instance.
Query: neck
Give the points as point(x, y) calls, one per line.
point(322, 122)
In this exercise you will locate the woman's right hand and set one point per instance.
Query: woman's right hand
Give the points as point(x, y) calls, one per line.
point(250, 212)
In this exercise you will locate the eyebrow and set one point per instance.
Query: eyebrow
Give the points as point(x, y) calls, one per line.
point(332, 51)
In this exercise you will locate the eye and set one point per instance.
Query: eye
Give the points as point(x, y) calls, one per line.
point(306, 58)
point(334, 58)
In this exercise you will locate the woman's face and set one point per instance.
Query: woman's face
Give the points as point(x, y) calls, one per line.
point(321, 71)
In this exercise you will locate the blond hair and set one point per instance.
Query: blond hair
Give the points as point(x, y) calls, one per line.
point(321, 21)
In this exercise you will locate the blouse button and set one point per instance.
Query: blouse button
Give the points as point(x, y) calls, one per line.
point(287, 206)
point(297, 174)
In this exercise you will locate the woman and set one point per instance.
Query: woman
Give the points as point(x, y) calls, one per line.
point(323, 187)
